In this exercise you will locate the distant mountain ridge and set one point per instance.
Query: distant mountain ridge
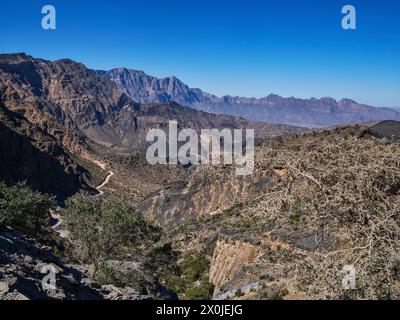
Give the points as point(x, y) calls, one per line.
point(312, 112)
point(74, 105)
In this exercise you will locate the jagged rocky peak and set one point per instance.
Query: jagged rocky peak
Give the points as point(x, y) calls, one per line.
point(328, 100)
point(14, 57)
point(273, 108)
point(273, 96)
point(345, 102)
point(147, 89)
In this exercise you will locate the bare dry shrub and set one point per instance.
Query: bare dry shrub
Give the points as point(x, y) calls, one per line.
point(344, 189)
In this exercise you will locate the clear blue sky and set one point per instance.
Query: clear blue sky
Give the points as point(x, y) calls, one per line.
point(238, 47)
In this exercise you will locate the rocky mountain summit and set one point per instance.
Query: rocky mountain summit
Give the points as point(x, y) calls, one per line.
point(311, 113)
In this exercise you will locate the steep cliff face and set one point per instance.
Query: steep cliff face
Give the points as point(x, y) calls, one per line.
point(62, 97)
point(29, 154)
point(273, 108)
point(229, 258)
point(207, 191)
point(147, 89)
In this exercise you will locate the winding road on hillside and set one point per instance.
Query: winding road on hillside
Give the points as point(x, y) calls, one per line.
point(105, 182)
point(55, 213)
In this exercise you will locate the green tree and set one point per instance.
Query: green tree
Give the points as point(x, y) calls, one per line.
point(191, 281)
point(106, 230)
point(24, 209)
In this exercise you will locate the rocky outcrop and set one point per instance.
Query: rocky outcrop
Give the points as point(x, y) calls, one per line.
point(22, 261)
point(208, 191)
point(229, 258)
point(273, 108)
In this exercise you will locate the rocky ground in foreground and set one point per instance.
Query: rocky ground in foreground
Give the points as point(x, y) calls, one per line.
point(22, 260)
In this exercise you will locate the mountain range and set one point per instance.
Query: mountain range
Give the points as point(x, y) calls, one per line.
point(315, 200)
point(312, 113)
point(74, 104)
point(68, 107)
point(60, 108)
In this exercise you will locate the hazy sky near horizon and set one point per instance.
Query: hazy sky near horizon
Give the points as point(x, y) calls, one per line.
point(237, 47)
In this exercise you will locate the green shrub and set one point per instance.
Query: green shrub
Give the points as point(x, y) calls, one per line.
point(191, 281)
point(161, 261)
point(201, 290)
point(194, 266)
point(107, 230)
point(108, 275)
point(24, 209)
